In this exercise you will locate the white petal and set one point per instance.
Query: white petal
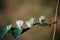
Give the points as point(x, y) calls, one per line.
point(30, 22)
point(8, 27)
point(41, 18)
point(19, 23)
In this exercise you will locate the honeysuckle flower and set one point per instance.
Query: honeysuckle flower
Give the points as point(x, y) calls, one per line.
point(19, 23)
point(41, 19)
point(8, 27)
point(17, 30)
point(30, 22)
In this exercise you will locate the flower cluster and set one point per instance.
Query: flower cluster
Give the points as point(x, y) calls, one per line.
point(29, 23)
point(18, 30)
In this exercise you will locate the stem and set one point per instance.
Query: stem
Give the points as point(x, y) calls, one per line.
point(55, 20)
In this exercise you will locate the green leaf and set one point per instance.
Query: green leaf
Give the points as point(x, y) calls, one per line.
point(16, 32)
point(3, 32)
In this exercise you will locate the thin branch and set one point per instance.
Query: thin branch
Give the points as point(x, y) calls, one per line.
point(55, 20)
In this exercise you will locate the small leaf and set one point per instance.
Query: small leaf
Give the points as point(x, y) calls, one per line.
point(16, 32)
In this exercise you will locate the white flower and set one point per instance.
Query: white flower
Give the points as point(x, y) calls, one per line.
point(41, 18)
point(19, 23)
point(30, 22)
point(8, 27)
